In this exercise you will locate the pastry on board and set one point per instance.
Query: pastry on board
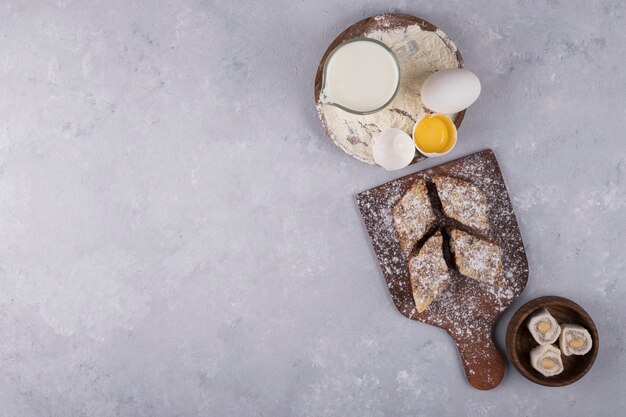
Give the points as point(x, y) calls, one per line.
point(463, 202)
point(428, 272)
point(413, 215)
point(477, 258)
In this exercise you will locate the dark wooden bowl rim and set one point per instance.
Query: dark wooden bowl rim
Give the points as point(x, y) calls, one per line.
point(358, 29)
point(522, 364)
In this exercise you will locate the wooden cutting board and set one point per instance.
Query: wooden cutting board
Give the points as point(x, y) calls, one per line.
point(467, 309)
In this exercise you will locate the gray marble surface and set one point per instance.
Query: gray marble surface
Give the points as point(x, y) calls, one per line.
point(179, 238)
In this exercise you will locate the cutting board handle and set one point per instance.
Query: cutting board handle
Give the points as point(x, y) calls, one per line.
point(483, 363)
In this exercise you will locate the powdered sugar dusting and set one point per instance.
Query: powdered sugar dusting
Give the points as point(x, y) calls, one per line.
point(413, 215)
point(428, 272)
point(468, 308)
point(463, 201)
point(477, 258)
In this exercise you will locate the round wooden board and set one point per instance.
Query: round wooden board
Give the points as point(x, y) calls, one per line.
point(519, 341)
point(385, 21)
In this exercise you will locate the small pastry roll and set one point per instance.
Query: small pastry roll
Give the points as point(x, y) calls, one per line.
point(543, 327)
point(575, 340)
point(546, 359)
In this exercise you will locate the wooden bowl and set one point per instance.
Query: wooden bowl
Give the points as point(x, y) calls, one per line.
point(519, 341)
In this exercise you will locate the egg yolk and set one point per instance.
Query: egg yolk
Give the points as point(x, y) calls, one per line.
point(432, 134)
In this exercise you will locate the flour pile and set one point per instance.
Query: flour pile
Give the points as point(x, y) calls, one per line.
point(354, 133)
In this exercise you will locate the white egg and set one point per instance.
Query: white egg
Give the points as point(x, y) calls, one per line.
point(450, 91)
point(393, 149)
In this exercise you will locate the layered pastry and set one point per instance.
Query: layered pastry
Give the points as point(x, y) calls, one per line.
point(428, 272)
point(574, 340)
point(546, 359)
point(413, 215)
point(543, 327)
point(477, 258)
point(463, 202)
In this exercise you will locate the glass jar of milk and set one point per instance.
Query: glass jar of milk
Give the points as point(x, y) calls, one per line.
point(362, 75)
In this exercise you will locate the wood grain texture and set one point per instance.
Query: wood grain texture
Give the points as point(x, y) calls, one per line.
point(386, 21)
point(467, 309)
point(519, 341)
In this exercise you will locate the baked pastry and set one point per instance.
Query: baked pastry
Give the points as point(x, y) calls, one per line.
point(574, 340)
point(477, 258)
point(463, 201)
point(546, 359)
point(543, 327)
point(413, 215)
point(428, 272)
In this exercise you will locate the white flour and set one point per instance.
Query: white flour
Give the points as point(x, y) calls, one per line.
point(354, 133)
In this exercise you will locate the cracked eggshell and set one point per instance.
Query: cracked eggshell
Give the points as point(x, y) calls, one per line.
point(393, 149)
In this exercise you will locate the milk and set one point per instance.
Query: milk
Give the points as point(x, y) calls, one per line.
point(361, 76)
